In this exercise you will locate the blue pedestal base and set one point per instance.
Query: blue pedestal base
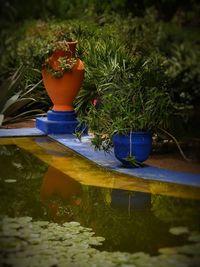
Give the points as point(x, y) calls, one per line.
point(58, 122)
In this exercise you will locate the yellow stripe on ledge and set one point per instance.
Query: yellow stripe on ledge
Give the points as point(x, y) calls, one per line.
point(89, 173)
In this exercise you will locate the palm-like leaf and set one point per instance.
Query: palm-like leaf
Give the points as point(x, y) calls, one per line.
point(9, 86)
point(15, 104)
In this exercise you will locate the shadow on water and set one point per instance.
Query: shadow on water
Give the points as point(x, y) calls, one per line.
point(129, 221)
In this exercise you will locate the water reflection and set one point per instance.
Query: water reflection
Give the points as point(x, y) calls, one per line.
point(58, 192)
point(20, 180)
point(130, 200)
point(126, 219)
point(129, 220)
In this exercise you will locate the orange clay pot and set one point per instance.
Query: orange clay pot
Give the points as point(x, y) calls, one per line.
point(62, 91)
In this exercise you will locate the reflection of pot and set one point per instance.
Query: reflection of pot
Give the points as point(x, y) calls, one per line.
point(56, 183)
point(132, 200)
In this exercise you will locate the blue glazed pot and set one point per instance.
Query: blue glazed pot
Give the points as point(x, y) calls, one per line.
point(141, 144)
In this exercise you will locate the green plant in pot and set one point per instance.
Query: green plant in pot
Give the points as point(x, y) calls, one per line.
point(134, 104)
point(52, 49)
point(41, 40)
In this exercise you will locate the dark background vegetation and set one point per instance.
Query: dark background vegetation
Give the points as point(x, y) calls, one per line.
point(181, 23)
point(15, 11)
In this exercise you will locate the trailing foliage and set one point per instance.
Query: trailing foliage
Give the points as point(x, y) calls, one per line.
point(41, 40)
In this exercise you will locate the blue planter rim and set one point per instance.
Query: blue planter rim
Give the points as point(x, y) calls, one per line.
point(132, 133)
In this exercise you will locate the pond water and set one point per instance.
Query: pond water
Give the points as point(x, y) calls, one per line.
point(44, 181)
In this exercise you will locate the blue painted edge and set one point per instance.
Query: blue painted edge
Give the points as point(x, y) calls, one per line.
point(109, 161)
point(56, 127)
point(21, 132)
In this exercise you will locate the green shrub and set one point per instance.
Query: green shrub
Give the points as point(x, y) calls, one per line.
point(133, 97)
point(175, 47)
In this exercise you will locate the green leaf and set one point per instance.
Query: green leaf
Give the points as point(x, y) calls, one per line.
point(1, 119)
point(30, 114)
point(9, 86)
point(10, 102)
point(17, 105)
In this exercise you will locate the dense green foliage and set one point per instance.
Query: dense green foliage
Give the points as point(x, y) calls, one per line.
point(133, 97)
point(110, 33)
point(19, 10)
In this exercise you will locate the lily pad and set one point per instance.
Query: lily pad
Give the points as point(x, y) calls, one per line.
point(10, 180)
point(192, 249)
point(195, 237)
point(40, 244)
point(179, 230)
point(168, 251)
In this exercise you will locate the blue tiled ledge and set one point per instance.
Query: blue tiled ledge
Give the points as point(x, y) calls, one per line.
point(20, 132)
point(108, 160)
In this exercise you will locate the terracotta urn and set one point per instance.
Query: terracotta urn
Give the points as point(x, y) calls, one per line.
point(62, 91)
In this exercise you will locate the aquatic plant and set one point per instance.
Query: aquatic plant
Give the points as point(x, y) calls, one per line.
point(28, 243)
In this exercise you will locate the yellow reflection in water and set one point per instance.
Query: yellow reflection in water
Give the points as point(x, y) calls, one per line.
point(88, 173)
